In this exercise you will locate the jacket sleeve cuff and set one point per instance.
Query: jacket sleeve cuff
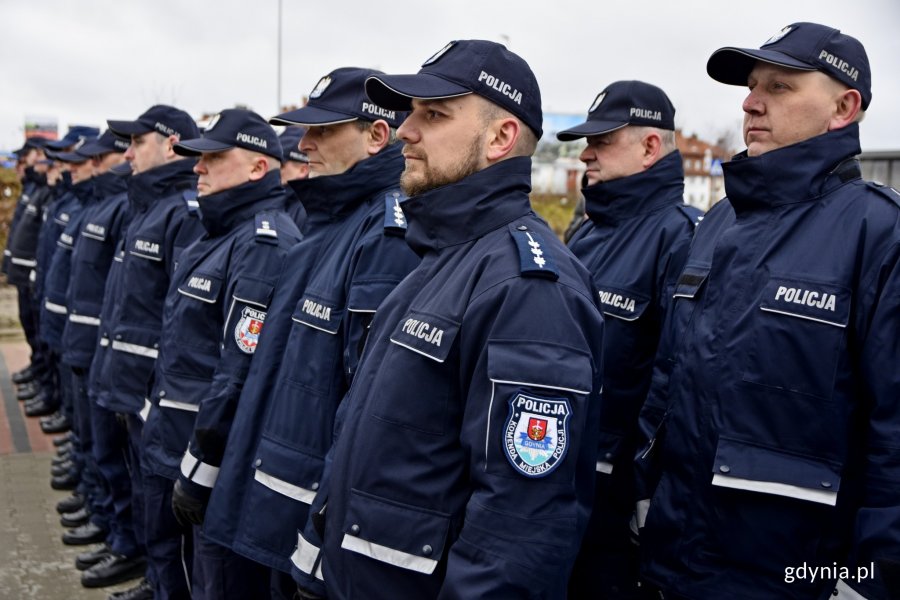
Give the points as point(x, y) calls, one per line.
point(198, 472)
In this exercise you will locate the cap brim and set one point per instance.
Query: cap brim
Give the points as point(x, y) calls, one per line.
point(395, 92)
point(128, 128)
point(589, 128)
point(198, 146)
point(70, 157)
point(733, 65)
point(312, 115)
point(94, 149)
point(58, 145)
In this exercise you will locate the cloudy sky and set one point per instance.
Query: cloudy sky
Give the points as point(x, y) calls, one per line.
point(89, 60)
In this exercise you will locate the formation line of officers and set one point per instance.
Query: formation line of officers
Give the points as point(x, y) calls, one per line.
point(391, 380)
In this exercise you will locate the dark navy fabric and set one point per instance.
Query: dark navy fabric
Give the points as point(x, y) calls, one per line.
point(333, 282)
point(776, 407)
point(432, 491)
point(634, 245)
point(54, 311)
point(160, 227)
point(31, 183)
point(92, 256)
point(214, 310)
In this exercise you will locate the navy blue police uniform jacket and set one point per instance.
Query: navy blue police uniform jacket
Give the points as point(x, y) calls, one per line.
point(214, 312)
point(56, 214)
point(67, 216)
point(634, 244)
point(774, 417)
point(23, 238)
point(95, 244)
point(352, 255)
point(31, 182)
point(162, 223)
point(463, 465)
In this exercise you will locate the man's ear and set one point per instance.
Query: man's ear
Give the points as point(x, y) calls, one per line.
point(378, 136)
point(847, 107)
point(170, 147)
point(652, 145)
point(502, 135)
point(258, 168)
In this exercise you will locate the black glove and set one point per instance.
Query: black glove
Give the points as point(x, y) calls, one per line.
point(188, 508)
point(304, 594)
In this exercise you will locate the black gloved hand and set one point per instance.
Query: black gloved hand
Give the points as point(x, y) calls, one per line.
point(188, 508)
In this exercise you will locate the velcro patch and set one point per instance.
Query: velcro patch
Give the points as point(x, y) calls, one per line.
point(535, 438)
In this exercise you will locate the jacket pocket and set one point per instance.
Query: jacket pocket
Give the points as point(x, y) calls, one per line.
point(798, 332)
point(287, 471)
point(402, 535)
point(618, 302)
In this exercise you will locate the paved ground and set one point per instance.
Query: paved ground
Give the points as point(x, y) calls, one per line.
point(34, 563)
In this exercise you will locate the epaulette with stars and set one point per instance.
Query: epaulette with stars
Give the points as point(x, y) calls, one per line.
point(534, 258)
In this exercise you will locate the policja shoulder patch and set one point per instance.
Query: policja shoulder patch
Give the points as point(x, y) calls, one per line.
point(536, 434)
point(246, 332)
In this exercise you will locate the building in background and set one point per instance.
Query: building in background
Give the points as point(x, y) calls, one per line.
point(882, 166)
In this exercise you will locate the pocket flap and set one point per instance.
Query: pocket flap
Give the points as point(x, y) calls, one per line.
point(690, 281)
point(319, 313)
point(811, 300)
point(618, 302)
point(521, 362)
point(254, 292)
point(426, 334)
point(366, 296)
point(287, 471)
point(744, 466)
point(201, 287)
point(395, 533)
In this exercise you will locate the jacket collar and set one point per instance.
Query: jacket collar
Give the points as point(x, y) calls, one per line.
point(796, 173)
point(222, 211)
point(109, 184)
point(466, 210)
point(332, 197)
point(145, 188)
point(645, 192)
point(84, 191)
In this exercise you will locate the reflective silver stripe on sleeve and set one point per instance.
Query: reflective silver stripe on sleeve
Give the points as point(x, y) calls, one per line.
point(604, 467)
point(778, 489)
point(85, 320)
point(640, 511)
point(186, 406)
point(146, 410)
point(305, 555)
point(135, 349)
point(404, 560)
point(203, 474)
point(23, 262)
point(55, 308)
point(842, 591)
point(284, 488)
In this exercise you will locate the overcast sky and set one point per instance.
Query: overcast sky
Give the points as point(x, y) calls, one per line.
point(89, 60)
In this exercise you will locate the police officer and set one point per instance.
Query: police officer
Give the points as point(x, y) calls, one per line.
point(214, 312)
point(294, 166)
point(464, 460)
point(775, 412)
point(634, 244)
point(162, 222)
point(352, 256)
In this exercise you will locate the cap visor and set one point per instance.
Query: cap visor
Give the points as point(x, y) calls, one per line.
point(70, 157)
point(198, 146)
point(128, 128)
point(95, 149)
point(733, 65)
point(589, 128)
point(312, 115)
point(395, 92)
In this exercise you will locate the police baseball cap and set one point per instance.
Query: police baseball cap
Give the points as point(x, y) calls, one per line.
point(290, 144)
point(165, 120)
point(233, 128)
point(624, 103)
point(464, 67)
point(340, 97)
point(801, 46)
point(76, 134)
point(108, 142)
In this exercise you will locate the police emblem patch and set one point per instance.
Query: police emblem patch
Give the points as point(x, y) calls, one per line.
point(779, 35)
point(536, 434)
point(246, 332)
point(320, 87)
point(597, 101)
